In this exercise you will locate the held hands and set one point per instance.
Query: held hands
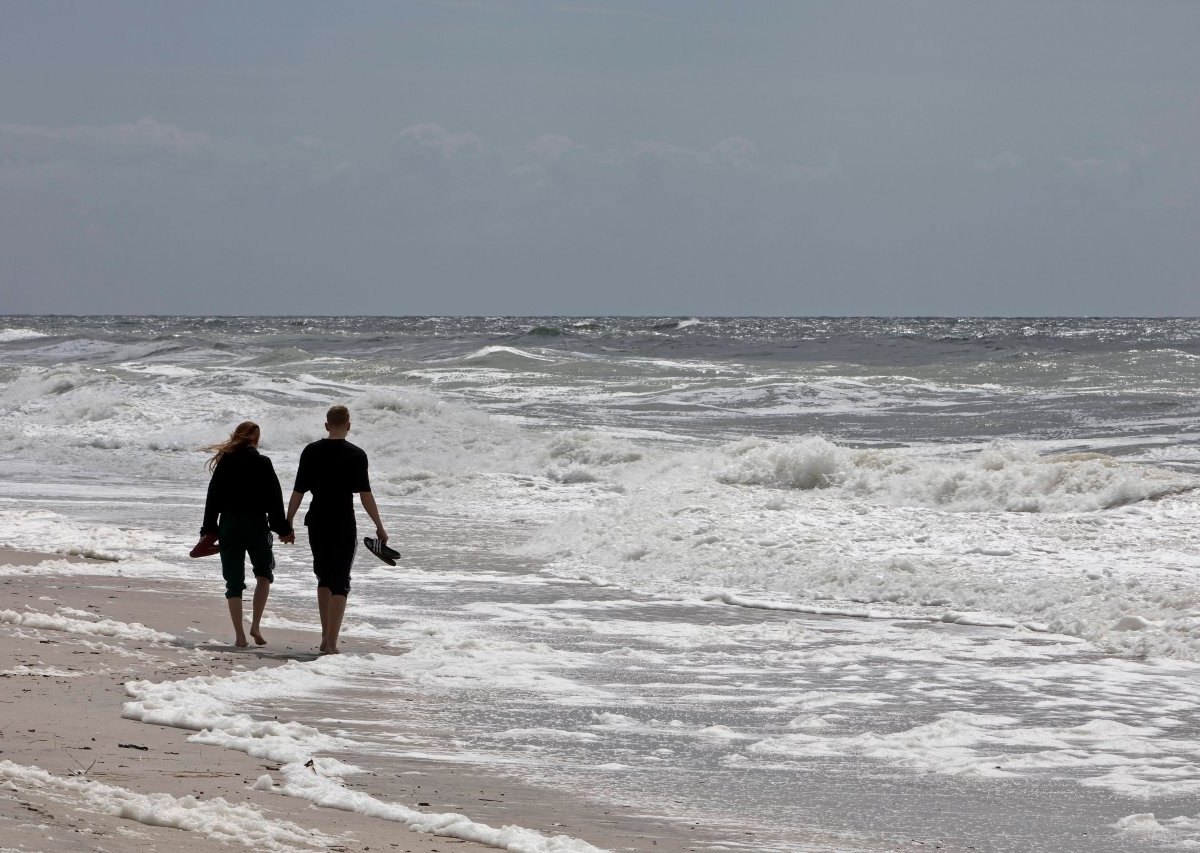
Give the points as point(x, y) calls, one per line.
point(288, 539)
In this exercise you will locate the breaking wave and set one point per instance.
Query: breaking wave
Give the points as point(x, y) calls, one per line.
point(1003, 477)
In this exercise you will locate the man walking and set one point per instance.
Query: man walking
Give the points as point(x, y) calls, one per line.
point(334, 470)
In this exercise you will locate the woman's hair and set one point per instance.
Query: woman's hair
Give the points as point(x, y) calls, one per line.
point(245, 435)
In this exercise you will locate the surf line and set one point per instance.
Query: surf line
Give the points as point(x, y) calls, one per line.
point(732, 599)
point(952, 617)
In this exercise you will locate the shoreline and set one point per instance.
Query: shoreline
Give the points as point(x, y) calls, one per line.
point(80, 775)
point(68, 677)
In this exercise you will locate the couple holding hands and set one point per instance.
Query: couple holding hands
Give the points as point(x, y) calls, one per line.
point(245, 503)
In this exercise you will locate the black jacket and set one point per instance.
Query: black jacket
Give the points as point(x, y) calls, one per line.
point(244, 483)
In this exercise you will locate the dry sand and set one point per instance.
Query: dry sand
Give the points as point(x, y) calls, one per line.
point(61, 711)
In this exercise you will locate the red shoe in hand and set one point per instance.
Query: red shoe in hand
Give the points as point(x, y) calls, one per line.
point(206, 547)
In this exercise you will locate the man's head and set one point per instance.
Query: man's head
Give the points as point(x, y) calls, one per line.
point(337, 420)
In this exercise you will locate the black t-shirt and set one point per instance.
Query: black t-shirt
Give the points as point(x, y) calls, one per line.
point(334, 470)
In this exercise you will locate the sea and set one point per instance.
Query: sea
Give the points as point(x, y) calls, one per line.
point(782, 584)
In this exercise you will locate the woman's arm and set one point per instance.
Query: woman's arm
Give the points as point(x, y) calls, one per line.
point(273, 495)
point(212, 502)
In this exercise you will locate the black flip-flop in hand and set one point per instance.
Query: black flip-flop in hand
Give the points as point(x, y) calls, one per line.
point(381, 550)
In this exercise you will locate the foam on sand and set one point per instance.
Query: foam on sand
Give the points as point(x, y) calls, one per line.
point(203, 704)
point(309, 784)
point(96, 627)
point(216, 818)
point(1178, 831)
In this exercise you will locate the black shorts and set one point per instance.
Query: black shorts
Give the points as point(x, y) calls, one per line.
point(237, 537)
point(333, 552)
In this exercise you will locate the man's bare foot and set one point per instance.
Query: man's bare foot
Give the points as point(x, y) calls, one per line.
point(241, 642)
point(331, 651)
point(258, 637)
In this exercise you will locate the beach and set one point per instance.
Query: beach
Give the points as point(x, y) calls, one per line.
point(77, 775)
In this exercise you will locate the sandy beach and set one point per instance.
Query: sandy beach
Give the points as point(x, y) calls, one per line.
point(76, 775)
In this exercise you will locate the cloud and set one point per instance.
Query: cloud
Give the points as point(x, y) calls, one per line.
point(736, 157)
point(16, 175)
point(143, 148)
point(655, 149)
point(605, 10)
point(735, 152)
point(127, 205)
point(1123, 178)
point(485, 5)
point(551, 146)
point(313, 143)
point(799, 174)
point(431, 138)
point(1090, 168)
point(1006, 161)
point(145, 138)
point(427, 165)
point(738, 152)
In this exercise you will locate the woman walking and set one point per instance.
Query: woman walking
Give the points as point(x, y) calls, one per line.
point(244, 504)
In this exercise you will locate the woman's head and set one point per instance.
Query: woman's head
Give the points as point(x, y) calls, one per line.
point(245, 434)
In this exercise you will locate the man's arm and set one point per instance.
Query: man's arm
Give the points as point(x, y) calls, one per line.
point(368, 502)
point(293, 506)
point(298, 490)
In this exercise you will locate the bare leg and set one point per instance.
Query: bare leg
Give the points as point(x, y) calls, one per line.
point(323, 607)
point(235, 613)
point(335, 610)
point(260, 602)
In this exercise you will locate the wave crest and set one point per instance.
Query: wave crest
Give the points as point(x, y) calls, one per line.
point(1003, 477)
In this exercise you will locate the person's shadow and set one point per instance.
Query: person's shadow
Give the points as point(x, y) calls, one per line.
point(258, 652)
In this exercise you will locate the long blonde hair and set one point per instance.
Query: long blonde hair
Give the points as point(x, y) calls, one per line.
point(245, 435)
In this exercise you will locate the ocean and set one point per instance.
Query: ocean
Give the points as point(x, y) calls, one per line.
point(767, 579)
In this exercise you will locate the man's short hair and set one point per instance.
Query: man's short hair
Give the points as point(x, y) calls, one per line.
point(338, 416)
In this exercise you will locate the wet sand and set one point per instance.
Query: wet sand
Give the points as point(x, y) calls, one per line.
point(109, 781)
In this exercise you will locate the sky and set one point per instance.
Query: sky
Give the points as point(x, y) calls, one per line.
point(600, 157)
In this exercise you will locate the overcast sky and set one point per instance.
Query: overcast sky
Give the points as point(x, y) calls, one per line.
point(600, 157)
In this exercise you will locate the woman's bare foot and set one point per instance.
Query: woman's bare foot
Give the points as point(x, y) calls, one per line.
point(330, 651)
point(258, 637)
point(241, 642)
